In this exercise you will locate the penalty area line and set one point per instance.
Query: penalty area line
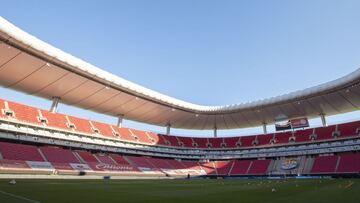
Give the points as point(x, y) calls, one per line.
point(19, 197)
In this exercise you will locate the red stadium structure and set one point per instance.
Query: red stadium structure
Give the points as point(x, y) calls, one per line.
point(40, 141)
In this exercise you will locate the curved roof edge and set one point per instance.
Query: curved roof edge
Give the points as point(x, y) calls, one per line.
point(20, 38)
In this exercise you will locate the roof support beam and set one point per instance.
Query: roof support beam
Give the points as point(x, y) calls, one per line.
point(54, 105)
point(264, 128)
point(323, 120)
point(215, 131)
point(168, 128)
point(120, 120)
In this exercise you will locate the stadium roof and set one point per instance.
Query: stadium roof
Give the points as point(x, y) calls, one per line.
point(32, 66)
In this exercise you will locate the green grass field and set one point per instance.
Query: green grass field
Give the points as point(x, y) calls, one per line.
point(172, 191)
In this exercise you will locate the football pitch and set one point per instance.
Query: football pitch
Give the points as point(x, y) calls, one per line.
point(187, 191)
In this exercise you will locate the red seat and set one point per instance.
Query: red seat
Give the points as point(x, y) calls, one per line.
point(119, 159)
point(349, 163)
point(172, 140)
point(209, 168)
point(87, 156)
point(259, 167)
point(20, 152)
point(141, 135)
point(223, 167)
point(264, 139)
point(349, 129)
point(55, 120)
point(247, 141)
point(58, 155)
point(81, 125)
point(187, 141)
point(215, 142)
point(104, 158)
point(231, 142)
point(240, 167)
point(201, 142)
point(282, 138)
point(104, 129)
point(325, 133)
point(324, 164)
point(303, 135)
point(24, 113)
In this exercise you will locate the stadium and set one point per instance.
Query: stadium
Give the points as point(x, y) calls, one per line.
point(50, 156)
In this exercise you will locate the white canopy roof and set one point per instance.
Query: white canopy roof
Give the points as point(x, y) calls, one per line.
point(30, 65)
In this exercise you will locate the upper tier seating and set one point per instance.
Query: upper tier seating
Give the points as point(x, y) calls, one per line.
point(33, 115)
point(349, 129)
point(2, 107)
point(81, 125)
point(325, 133)
point(283, 137)
point(264, 139)
point(55, 120)
point(232, 142)
point(187, 141)
point(126, 135)
point(201, 142)
point(247, 141)
point(324, 164)
point(172, 140)
point(20, 152)
point(303, 135)
point(24, 113)
point(104, 129)
point(58, 155)
point(216, 142)
point(157, 139)
point(141, 136)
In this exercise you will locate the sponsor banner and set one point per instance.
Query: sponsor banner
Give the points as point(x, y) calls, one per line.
point(40, 165)
point(111, 167)
point(80, 167)
point(299, 122)
point(289, 164)
point(13, 164)
point(62, 166)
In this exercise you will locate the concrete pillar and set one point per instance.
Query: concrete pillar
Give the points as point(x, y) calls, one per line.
point(168, 128)
point(264, 128)
point(215, 132)
point(120, 120)
point(54, 105)
point(323, 120)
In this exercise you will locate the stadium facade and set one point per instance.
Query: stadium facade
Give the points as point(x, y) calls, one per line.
point(40, 141)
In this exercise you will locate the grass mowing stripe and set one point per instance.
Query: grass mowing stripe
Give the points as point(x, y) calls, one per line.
point(19, 197)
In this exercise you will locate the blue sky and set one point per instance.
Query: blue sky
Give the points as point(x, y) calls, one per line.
point(205, 52)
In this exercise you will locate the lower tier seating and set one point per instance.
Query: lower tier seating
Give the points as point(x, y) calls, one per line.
point(21, 156)
point(19, 152)
point(324, 165)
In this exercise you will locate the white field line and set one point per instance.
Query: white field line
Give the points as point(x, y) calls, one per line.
point(19, 197)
